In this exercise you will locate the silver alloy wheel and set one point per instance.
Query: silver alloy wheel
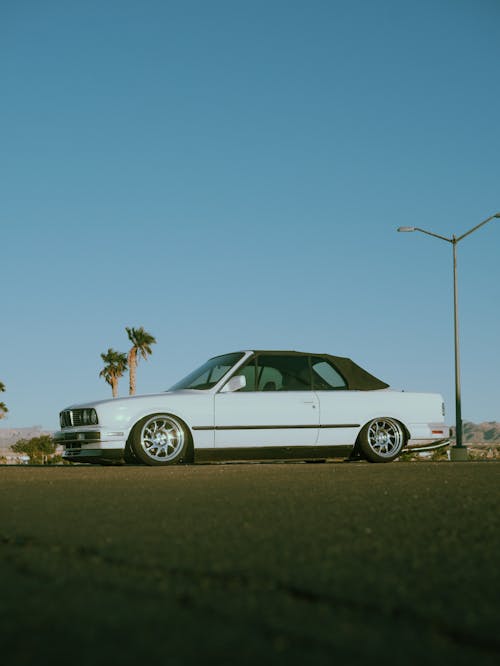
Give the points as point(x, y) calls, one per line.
point(385, 437)
point(162, 438)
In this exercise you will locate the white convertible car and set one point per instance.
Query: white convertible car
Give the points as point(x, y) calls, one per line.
point(257, 405)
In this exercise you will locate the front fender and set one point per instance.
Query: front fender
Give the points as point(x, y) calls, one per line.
point(193, 410)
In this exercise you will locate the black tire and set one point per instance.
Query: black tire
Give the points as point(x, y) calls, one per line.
point(161, 439)
point(128, 455)
point(381, 440)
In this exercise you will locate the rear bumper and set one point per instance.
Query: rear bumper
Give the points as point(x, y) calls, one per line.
point(428, 437)
point(428, 431)
point(429, 445)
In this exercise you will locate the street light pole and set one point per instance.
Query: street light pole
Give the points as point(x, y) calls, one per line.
point(458, 390)
point(459, 451)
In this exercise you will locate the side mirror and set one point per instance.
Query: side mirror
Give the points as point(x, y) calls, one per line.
point(234, 384)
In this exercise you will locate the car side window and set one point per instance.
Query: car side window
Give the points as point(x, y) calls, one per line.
point(325, 376)
point(249, 371)
point(279, 372)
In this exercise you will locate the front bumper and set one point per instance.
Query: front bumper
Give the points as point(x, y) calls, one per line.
point(94, 456)
point(90, 445)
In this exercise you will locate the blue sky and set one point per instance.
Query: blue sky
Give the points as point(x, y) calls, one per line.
point(231, 175)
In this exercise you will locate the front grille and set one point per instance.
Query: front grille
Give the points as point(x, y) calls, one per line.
point(71, 417)
point(77, 417)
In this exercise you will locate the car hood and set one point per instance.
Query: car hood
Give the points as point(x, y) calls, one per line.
point(136, 398)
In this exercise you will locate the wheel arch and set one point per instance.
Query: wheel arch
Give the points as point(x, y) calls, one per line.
point(398, 419)
point(356, 451)
point(129, 454)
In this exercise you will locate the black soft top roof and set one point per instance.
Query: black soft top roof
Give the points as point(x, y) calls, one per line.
point(356, 377)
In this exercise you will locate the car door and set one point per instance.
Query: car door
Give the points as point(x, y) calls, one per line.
point(339, 408)
point(277, 407)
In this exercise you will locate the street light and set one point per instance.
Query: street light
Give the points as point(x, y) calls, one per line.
point(459, 451)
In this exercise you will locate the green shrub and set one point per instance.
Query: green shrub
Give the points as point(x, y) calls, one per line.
point(40, 450)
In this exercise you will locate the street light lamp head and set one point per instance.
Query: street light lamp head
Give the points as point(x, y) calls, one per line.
point(496, 215)
point(406, 228)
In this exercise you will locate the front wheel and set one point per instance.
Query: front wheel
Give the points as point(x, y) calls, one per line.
point(161, 439)
point(381, 440)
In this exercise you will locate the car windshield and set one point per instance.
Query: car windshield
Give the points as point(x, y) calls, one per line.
point(207, 376)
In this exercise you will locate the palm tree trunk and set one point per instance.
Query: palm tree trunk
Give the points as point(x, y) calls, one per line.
point(114, 386)
point(132, 363)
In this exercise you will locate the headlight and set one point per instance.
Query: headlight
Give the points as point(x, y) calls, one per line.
point(89, 416)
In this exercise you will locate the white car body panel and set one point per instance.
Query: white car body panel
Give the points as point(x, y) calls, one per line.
point(121, 414)
point(219, 420)
point(417, 411)
point(255, 413)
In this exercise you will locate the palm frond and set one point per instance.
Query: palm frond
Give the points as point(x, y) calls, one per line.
point(116, 364)
point(141, 341)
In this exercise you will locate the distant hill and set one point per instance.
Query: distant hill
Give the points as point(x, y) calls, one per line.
point(9, 436)
point(482, 433)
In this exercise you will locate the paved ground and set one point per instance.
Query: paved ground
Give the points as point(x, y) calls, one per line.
point(241, 564)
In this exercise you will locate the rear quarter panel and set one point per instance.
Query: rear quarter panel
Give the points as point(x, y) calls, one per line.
point(356, 408)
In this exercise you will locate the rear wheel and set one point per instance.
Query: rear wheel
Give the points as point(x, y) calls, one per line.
point(161, 439)
point(381, 440)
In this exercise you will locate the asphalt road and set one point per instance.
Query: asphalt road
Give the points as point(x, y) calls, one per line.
point(247, 563)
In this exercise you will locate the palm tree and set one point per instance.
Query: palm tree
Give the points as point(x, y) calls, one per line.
point(116, 364)
point(141, 346)
point(3, 406)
